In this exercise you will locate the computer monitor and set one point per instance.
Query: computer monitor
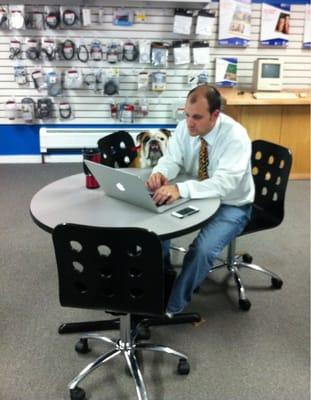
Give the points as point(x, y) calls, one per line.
point(268, 74)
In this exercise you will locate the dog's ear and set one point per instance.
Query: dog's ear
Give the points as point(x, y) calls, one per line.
point(140, 136)
point(166, 132)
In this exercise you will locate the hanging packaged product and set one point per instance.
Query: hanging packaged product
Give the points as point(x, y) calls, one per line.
point(114, 52)
point(54, 83)
point(70, 17)
point(111, 82)
point(114, 110)
point(182, 21)
point(32, 50)
point(17, 17)
point(48, 49)
point(142, 80)
point(34, 17)
point(15, 49)
point(73, 79)
point(178, 110)
point(123, 17)
point(158, 81)
point(4, 17)
point(11, 109)
point(205, 22)
point(181, 52)
point(200, 52)
point(144, 51)
point(196, 77)
point(140, 15)
point(44, 108)
point(68, 49)
point(20, 75)
point(83, 53)
point(96, 52)
point(28, 109)
point(89, 79)
point(86, 16)
point(52, 17)
point(65, 110)
point(159, 53)
point(126, 113)
point(38, 79)
point(142, 107)
point(130, 51)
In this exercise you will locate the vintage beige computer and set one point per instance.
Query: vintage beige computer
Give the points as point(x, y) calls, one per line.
point(268, 79)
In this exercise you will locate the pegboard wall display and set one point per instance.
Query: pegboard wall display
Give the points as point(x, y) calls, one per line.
point(128, 64)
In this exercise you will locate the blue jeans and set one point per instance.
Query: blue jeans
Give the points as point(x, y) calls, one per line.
point(227, 223)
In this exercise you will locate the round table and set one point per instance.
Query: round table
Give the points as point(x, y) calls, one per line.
point(67, 200)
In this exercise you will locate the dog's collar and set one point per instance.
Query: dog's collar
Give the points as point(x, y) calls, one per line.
point(136, 147)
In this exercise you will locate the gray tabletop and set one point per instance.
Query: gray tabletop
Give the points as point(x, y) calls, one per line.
point(68, 200)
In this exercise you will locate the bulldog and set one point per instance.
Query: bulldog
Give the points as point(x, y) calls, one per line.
point(152, 146)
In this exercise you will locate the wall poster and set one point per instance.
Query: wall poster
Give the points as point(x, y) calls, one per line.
point(275, 25)
point(226, 72)
point(234, 23)
point(307, 29)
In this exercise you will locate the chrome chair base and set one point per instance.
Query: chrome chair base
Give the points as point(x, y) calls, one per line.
point(236, 262)
point(127, 346)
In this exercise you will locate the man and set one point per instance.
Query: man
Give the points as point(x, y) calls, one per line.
point(224, 171)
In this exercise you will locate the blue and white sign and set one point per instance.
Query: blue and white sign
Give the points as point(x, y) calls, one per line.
point(226, 72)
point(307, 29)
point(275, 25)
point(234, 23)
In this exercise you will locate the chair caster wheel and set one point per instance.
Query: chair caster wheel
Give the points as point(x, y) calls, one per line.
point(82, 346)
point(143, 333)
point(77, 394)
point(276, 283)
point(247, 258)
point(183, 367)
point(244, 304)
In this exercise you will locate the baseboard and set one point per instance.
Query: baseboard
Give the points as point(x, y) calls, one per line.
point(20, 159)
point(36, 159)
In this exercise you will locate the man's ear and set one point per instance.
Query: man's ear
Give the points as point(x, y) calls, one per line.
point(216, 113)
point(166, 132)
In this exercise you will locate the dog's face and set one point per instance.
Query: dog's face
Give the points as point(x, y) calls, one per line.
point(153, 145)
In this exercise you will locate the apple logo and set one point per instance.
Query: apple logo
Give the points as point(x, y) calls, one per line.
point(120, 187)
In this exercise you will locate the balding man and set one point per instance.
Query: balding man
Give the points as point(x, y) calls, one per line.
point(215, 151)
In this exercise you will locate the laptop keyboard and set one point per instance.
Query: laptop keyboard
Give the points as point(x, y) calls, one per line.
point(158, 205)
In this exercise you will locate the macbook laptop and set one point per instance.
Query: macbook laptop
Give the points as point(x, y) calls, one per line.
point(124, 185)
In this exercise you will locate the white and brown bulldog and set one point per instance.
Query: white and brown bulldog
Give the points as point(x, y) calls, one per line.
point(152, 146)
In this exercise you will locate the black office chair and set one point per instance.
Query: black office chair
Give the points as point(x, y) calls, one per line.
point(119, 270)
point(117, 149)
point(271, 164)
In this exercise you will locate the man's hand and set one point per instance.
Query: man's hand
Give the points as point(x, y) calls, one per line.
point(155, 181)
point(166, 194)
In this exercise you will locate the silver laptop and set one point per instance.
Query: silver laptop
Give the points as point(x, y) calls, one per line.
point(124, 185)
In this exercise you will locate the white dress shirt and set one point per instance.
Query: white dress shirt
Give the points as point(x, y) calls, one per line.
point(229, 169)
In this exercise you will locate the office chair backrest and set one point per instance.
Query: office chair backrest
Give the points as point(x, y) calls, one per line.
point(115, 269)
point(117, 149)
point(271, 164)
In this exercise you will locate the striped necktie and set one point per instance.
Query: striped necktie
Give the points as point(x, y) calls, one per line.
point(203, 161)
